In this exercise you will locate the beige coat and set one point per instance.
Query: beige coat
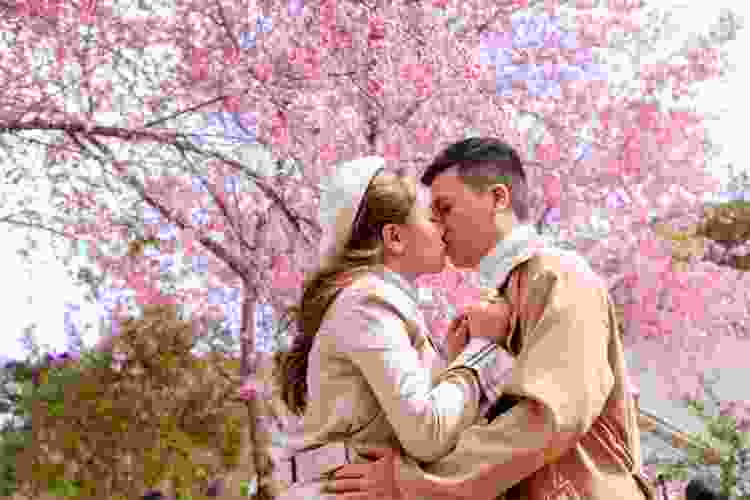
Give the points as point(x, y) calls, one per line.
point(573, 434)
point(371, 380)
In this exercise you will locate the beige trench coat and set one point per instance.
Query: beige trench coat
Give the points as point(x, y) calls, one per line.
point(372, 377)
point(573, 434)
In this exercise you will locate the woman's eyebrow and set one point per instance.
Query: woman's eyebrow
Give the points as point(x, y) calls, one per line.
point(437, 202)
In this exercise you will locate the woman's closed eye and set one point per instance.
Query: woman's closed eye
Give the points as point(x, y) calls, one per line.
point(443, 209)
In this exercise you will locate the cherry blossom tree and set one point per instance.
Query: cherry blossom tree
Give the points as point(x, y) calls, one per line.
point(329, 81)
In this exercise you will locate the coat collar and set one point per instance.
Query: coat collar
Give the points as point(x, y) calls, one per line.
point(400, 282)
point(520, 245)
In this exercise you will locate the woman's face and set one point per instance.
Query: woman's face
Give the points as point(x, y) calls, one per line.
point(424, 251)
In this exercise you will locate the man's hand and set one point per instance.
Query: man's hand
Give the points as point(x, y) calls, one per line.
point(489, 319)
point(381, 480)
point(457, 336)
point(372, 481)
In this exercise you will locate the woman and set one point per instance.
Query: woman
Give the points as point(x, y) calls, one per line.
point(362, 369)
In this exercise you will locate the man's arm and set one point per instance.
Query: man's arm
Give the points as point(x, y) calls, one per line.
point(563, 377)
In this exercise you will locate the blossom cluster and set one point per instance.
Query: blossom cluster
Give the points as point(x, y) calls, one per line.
point(239, 128)
point(505, 50)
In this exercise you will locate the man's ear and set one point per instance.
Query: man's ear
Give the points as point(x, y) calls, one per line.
point(501, 196)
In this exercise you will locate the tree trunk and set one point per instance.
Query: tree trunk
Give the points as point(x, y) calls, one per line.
point(259, 435)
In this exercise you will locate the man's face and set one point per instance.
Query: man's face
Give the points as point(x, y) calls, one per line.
point(468, 219)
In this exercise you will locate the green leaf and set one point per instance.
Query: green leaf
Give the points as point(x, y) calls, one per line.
point(249, 488)
point(57, 409)
point(64, 488)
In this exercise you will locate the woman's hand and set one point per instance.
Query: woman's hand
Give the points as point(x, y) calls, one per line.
point(489, 319)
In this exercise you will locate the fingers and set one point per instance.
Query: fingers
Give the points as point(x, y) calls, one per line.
point(463, 330)
point(456, 322)
point(344, 486)
point(376, 452)
point(351, 471)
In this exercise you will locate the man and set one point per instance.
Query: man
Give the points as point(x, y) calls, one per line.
point(569, 430)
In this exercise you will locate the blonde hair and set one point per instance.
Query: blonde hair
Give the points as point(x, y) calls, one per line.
point(389, 199)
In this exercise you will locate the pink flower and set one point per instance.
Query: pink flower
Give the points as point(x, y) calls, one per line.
point(472, 72)
point(248, 391)
point(552, 190)
point(377, 29)
point(423, 135)
point(263, 71)
point(327, 153)
point(375, 87)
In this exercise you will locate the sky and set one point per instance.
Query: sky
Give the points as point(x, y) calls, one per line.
point(41, 290)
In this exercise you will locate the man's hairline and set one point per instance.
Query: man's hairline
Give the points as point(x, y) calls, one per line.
point(454, 169)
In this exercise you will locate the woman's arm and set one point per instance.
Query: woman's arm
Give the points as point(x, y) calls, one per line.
point(427, 420)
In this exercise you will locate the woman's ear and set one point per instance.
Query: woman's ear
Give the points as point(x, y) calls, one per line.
point(392, 239)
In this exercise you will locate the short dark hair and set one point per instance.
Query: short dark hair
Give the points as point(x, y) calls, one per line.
point(482, 162)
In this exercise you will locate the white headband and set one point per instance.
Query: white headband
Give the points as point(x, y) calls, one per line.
point(340, 197)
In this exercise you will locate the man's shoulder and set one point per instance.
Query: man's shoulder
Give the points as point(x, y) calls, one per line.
point(565, 264)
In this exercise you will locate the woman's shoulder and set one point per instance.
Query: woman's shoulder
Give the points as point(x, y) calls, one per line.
point(371, 290)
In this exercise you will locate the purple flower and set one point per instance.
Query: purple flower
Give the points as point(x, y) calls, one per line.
point(6, 361)
point(583, 151)
point(200, 263)
point(166, 264)
point(199, 216)
point(151, 215)
point(240, 130)
point(167, 232)
point(265, 24)
point(542, 82)
point(584, 56)
point(109, 299)
point(232, 294)
point(199, 184)
point(247, 40)
point(615, 200)
point(569, 40)
point(552, 217)
point(232, 184)
point(569, 72)
point(495, 48)
point(215, 488)
point(594, 71)
point(295, 7)
point(533, 31)
point(215, 296)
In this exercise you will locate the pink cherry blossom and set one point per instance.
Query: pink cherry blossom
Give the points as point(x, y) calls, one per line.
point(412, 95)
